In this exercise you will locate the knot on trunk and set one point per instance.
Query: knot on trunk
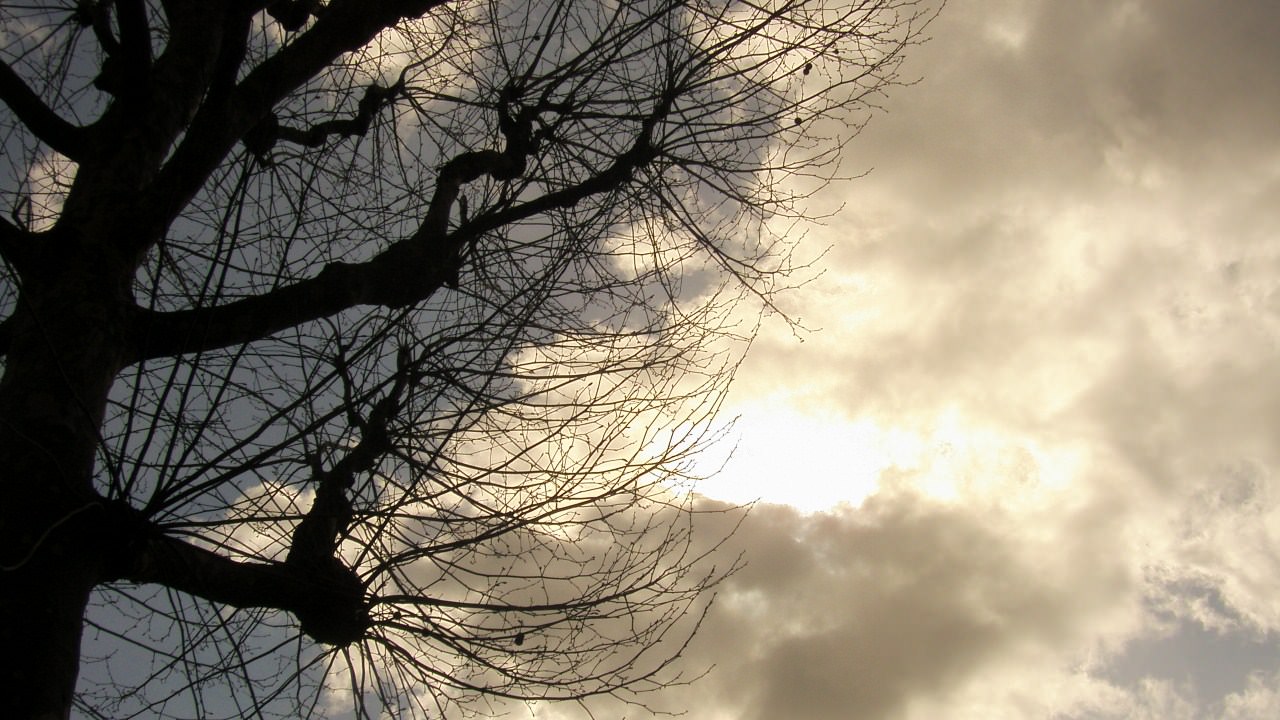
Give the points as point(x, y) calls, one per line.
point(334, 610)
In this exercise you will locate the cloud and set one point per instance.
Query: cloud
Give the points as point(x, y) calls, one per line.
point(1049, 328)
point(1261, 699)
point(868, 612)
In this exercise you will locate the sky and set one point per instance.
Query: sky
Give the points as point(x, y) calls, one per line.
point(1025, 465)
point(1025, 462)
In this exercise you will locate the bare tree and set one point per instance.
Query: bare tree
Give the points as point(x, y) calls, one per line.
point(355, 352)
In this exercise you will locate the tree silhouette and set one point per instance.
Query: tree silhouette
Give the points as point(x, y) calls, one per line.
point(355, 352)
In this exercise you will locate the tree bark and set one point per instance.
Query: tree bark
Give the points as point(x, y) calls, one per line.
point(52, 556)
point(42, 606)
point(65, 348)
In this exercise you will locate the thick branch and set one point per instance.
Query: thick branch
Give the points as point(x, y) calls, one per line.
point(338, 286)
point(97, 16)
point(135, 44)
point(128, 60)
point(408, 272)
point(328, 601)
point(203, 573)
point(230, 56)
point(43, 122)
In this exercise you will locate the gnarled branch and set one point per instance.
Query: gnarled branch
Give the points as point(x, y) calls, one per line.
point(408, 272)
point(266, 133)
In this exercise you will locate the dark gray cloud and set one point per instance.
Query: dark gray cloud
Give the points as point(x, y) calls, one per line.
point(865, 612)
point(899, 600)
point(1048, 96)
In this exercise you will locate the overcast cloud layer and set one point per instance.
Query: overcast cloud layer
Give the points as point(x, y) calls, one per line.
point(1046, 387)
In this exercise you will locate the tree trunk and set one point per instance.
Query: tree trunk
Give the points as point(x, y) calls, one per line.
point(42, 606)
point(63, 356)
point(51, 559)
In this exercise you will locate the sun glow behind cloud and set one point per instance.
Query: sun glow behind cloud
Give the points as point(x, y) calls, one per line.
point(809, 460)
point(815, 459)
